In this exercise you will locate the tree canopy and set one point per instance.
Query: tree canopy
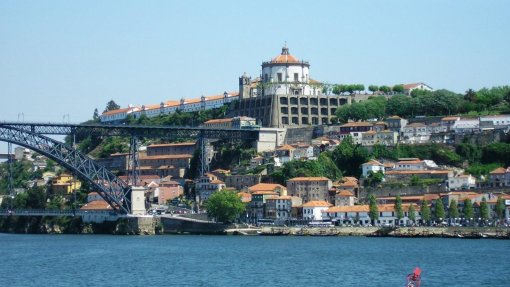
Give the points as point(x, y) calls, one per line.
point(111, 105)
point(349, 157)
point(468, 210)
point(453, 209)
point(439, 213)
point(425, 212)
point(373, 212)
point(399, 213)
point(225, 206)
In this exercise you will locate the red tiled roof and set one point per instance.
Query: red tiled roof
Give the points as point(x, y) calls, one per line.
point(97, 205)
point(265, 187)
point(309, 179)
point(317, 203)
point(498, 170)
point(171, 144)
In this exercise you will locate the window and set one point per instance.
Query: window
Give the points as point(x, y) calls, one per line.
point(279, 75)
point(296, 77)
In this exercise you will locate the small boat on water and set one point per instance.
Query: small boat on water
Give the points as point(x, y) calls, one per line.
point(414, 279)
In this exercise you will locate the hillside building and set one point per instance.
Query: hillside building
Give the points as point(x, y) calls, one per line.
point(285, 95)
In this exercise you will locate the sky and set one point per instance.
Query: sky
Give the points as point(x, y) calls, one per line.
point(59, 60)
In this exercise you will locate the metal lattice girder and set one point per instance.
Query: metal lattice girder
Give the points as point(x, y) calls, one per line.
point(112, 189)
point(135, 130)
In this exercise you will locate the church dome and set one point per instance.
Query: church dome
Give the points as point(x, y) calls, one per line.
point(285, 57)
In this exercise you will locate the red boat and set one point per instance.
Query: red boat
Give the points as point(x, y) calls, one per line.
point(414, 279)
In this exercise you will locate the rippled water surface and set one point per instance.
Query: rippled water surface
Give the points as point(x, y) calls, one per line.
point(99, 260)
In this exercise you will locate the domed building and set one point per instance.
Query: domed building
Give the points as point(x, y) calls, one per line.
point(284, 95)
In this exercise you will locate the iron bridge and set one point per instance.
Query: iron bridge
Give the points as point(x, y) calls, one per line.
point(113, 190)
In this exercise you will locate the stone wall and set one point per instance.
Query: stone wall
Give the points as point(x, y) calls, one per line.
point(180, 225)
point(301, 135)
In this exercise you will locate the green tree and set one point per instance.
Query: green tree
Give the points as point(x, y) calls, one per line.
point(95, 117)
point(412, 213)
point(470, 95)
point(439, 213)
point(385, 89)
point(398, 89)
point(484, 209)
point(373, 88)
point(400, 105)
point(111, 105)
point(496, 152)
point(373, 212)
point(399, 213)
point(348, 157)
point(225, 206)
point(453, 210)
point(468, 210)
point(500, 208)
point(373, 178)
point(425, 212)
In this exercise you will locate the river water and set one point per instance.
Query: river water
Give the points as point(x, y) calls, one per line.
point(173, 260)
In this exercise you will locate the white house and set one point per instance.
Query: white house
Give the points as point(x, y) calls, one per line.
point(496, 121)
point(410, 164)
point(416, 133)
point(466, 126)
point(359, 214)
point(464, 181)
point(372, 166)
point(408, 88)
point(312, 210)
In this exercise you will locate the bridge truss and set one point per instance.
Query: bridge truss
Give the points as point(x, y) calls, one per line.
point(112, 189)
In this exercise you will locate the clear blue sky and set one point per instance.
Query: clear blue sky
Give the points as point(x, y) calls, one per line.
point(69, 57)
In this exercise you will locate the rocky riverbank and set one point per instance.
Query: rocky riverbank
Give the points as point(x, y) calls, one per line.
point(445, 232)
point(75, 225)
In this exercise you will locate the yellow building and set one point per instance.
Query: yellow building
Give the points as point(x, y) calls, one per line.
point(64, 184)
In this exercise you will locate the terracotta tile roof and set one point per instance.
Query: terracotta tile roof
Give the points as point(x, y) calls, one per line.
point(354, 208)
point(366, 208)
point(395, 118)
point(265, 187)
point(410, 161)
point(217, 181)
point(498, 170)
point(418, 172)
point(287, 58)
point(172, 144)
point(350, 178)
point(245, 197)
point(344, 193)
point(285, 147)
point(97, 205)
point(168, 156)
point(372, 162)
point(357, 124)
point(309, 179)
point(317, 203)
point(450, 118)
point(264, 192)
point(118, 111)
point(217, 121)
point(172, 103)
point(411, 86)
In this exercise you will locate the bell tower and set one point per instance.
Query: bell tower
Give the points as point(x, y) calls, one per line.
point(244, 87)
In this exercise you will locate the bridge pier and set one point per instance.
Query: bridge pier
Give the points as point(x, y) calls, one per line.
point(138, 200)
